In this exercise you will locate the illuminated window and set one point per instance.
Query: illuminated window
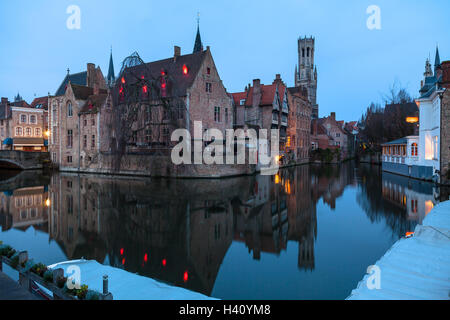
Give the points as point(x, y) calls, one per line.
point(436, 147)
point(414, 150)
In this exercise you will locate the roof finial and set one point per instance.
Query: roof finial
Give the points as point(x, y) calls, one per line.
point(68, 70)
point(198, 46)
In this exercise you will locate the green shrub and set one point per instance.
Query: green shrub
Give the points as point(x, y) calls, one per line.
point(48, 276)
point(5, 250)
point(15, 260)
point(92, 295)
point(82, 292)
point(39, 269)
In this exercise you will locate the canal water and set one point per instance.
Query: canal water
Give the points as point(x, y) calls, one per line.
point(309, 232)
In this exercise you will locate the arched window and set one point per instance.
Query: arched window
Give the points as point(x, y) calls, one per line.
point(414, 150)
point(303, 52)
point(33, 119)
point(37, 132)
point(19, 131)
point(69, 109)
point(307, 52)
point(28, 131)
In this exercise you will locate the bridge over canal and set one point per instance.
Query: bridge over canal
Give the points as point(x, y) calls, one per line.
point(21, 160)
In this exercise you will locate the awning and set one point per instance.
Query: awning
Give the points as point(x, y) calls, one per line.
point(8, 141)
point(28, 142)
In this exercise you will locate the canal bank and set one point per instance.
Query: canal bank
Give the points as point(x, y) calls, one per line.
point(416, 267)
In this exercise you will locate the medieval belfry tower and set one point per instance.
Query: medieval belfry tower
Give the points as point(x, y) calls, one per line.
point(306, 73)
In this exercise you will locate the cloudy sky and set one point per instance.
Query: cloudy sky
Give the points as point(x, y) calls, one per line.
point(248, 38)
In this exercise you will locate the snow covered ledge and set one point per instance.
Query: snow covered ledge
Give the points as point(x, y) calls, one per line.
point(416, 268)
point(125, 285)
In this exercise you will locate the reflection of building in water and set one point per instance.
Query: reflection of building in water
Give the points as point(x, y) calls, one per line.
point(261, 220)
point(302, 216)
point(416, 198)
point(329, 182)
point(175, 231)
point(279, 209)
point(23, 208)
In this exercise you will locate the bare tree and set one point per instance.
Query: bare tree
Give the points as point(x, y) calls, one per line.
point(146, 111)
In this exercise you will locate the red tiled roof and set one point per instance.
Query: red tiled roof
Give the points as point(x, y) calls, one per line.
point(267, 94)
point(43, 101)
point(20, 104)
point(238, 96)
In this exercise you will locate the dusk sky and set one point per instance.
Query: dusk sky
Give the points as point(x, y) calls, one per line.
point(248, 39)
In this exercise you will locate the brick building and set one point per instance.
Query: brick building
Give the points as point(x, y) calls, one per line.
point(299, 125)
point(327, 133)
point(158, 97)
point(22, 126)
point(264, 107)
point(65, 138)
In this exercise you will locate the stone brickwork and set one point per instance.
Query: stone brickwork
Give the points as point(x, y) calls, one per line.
point(445, 125)
point(299, 126)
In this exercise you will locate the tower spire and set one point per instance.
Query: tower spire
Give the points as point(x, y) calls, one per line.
point(198, 46)
point(111, 78)
point(437, 60)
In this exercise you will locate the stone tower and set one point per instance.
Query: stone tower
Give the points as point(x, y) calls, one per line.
point(306, 73)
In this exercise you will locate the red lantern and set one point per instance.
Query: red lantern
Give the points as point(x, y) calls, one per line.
point(123, 80)
point(144, 89)
point(185, 276)
point(185, 70)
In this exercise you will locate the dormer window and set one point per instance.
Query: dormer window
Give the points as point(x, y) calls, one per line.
point(242, 102)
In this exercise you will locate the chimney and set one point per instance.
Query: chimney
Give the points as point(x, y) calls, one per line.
point(176, 51)
point(208, 48)
point(4, 100)
point(256, 92)
point(90, 75)
point(333, 116)
point(277, 79)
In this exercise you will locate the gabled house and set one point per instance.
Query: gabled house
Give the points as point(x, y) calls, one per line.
point(264, 107)
point(64, 120)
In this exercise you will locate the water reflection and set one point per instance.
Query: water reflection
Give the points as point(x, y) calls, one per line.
point(181, 231)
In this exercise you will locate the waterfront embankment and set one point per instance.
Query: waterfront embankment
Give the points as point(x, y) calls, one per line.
point(416, 267)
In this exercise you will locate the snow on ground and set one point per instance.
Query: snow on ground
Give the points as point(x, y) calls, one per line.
point(416, 268)
point(125, 285)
